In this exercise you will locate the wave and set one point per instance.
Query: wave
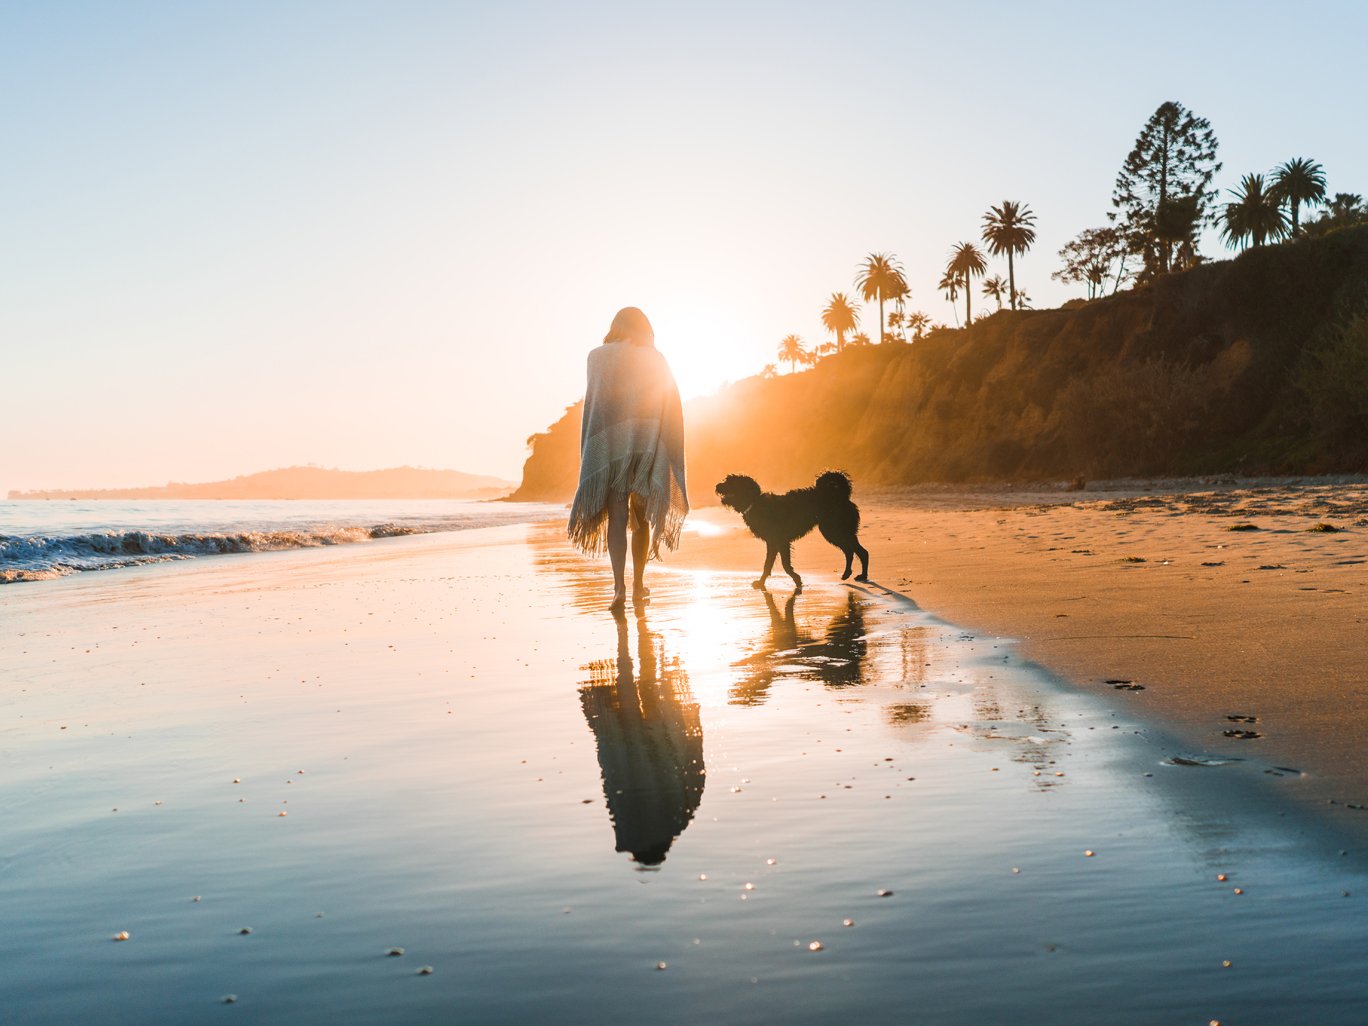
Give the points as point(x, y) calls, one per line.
point(43, 558)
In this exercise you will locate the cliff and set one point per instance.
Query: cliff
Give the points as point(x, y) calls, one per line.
point(1253, 365)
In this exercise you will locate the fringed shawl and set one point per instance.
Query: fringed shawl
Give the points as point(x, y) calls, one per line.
point(631, 442)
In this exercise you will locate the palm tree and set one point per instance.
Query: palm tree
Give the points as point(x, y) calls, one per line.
point(1009, 229)
point(918, 322)
point(895, 323)
point(768, 371)
point(967, 262)
point(880, 277)
point(995, 288)
point(1023, 300)
point(859, 339)
point(839, 317)
point(791, 349)
point(1255, 215)
point(1296, 182)
point(950, 284)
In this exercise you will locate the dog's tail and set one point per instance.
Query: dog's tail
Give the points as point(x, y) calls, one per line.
point(834, 484)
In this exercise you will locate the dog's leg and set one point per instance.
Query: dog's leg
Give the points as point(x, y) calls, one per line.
point(863, 553)
point(770, 553)
point(788, 569)
point(849, 555)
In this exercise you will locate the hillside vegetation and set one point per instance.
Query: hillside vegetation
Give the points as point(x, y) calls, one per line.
point(1252, 365)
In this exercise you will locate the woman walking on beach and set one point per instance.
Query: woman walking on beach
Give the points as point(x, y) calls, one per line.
point(631, 455)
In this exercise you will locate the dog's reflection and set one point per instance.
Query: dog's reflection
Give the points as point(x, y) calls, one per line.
point(836, 660)
point(650, 744)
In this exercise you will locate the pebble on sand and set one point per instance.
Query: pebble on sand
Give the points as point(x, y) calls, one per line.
point(425, 970)
point(884, 893)
point(661, 966)
point(1088, 853)
point(394, 952)
point(122, 935)
point(230, 999)
point(245, 931)
point(847, 922)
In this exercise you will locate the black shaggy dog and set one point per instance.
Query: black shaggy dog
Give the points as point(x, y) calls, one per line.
point(780, 520)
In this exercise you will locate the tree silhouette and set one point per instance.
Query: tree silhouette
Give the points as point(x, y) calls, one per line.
point(1009, 229)
point(859, 339)
point(839, 317)
point(950, 284)
point(1255, 215)
point(1296, 182)
point(880, 277)
point(1089, 257)
point(917, 322)
point(1173, 161)
point(967, 263)
point(791, 349)
point(995, 288)
point(1343, 211)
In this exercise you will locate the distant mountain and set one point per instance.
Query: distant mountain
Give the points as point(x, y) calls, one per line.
point(309, 483)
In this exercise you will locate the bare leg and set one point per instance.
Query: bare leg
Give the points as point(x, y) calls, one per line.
point(617, 549)
point(788, 569)
point(641, 543)
point(770, 553)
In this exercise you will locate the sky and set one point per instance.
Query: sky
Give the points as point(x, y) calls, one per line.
point(244, 235)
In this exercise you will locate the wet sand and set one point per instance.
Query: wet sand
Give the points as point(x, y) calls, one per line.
point(570, 818)
point(1260, 631)
point(1230, 605)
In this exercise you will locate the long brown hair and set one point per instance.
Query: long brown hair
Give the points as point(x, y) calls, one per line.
point(631, 325)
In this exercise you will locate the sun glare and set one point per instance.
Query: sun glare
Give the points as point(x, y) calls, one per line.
point(704, 350)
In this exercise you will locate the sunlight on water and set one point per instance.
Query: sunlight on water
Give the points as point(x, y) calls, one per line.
point(809, 808)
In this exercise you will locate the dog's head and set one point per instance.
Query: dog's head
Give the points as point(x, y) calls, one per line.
point(738, 492)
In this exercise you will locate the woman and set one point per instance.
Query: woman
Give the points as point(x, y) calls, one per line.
point(631, 454)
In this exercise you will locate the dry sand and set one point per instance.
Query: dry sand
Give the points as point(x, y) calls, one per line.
point(1156, 584)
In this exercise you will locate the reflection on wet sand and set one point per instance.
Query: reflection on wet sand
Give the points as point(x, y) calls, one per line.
point(836, 660)
point(650, 744)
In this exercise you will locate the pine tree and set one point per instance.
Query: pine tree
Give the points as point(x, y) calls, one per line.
point(1163, 193)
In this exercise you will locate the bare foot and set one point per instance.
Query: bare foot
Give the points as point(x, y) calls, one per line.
point(758, 585)
point(619, 604)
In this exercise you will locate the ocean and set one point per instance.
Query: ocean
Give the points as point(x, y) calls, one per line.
point(50, 539)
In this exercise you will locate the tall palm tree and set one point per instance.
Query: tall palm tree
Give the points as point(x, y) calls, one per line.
point(880, 277)
point(791, 349)
point(995, 288)
point(1009, 229)
point(967, 262)
point(950, 284)
point(1296, 182)
point(1255, 215)
point(839, 317)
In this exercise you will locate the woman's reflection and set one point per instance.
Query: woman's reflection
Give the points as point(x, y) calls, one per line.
point(650, 744)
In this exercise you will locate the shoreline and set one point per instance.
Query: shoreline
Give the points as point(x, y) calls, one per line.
point(1257, 632)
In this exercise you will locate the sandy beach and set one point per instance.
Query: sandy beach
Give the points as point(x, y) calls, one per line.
point(381, 782)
